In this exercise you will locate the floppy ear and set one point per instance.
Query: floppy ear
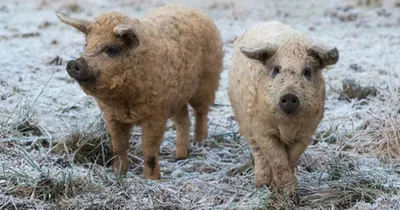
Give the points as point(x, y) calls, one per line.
point(79, 24)
point(323, 55)
point(261, 52)
point(127, 34)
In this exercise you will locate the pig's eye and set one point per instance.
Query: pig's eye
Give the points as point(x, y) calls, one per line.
point(112, 51)
point(275, 71)
point(307, 73)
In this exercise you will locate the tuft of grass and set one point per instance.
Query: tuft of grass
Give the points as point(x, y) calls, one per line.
point(34, 181)
point(220, 138)
point(23, 124)
point(329, 136)
point(381, 134)
point(279, 201)
point(338, 170)
point(227, 136)
point(90, 144)
point(47, 187)
point(23, 127)
point(344, 194)
point(353, 90)
point(345, 186)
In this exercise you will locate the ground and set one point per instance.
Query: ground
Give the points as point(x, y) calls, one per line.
point(54, 151)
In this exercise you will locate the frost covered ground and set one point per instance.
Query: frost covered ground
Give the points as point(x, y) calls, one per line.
point(353, 163)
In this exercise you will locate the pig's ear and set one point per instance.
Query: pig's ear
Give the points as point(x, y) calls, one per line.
point(261, 52)
point(81, 25)
point(324, 55)
point(127, 34)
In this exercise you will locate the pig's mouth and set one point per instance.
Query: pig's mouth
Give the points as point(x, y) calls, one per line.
point(282, 117)
point(292, 115)
point(89, 80)
point(79, 70)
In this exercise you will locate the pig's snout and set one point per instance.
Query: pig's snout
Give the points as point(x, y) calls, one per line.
point(289, 103)
point(78, 69)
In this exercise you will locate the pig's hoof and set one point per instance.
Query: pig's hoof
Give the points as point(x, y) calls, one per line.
point(154, 176)
point(199, 139)
point(263, 182)
point(264, 185)
point(182, 154)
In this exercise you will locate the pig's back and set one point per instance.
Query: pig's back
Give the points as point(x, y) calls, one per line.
point(186, 48)
point(184, 29)
point(178, 22)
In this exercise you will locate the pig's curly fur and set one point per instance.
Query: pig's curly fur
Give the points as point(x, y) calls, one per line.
point(277, 141)
point(178, 62)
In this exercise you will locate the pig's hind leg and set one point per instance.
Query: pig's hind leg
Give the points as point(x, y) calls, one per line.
point(152, 136)
point(182, 124)
point(201, 102)
point(201, 108)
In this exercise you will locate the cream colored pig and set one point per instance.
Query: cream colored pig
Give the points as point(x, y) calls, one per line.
point(277, 92)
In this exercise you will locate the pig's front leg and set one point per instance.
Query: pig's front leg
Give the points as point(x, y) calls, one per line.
point(262, 170)
point(152, 136)
point(275, 153)
point(120, 134)
point(295, 150)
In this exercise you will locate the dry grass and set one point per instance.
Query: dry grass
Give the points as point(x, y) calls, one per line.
point(75, 173)
point(21, 122)
point(217, 175)
point(381, 134)
point(347, 184)
point(89, 144)
point(352, 89)
point(347, 178)
point(23, 177)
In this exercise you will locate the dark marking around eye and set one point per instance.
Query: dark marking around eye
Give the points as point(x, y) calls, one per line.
point(112, 51)
point(307, 73)
point(275, 71)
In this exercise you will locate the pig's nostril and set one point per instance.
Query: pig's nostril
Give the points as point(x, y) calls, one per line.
point(77, 69)
point(73, 68)
point(289, 103)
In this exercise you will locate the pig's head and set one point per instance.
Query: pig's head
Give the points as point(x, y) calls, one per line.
point(111, 40)
point(291, 82)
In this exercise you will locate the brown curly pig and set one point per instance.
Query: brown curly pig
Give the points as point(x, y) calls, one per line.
point(277, 92)
point(146, 71)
